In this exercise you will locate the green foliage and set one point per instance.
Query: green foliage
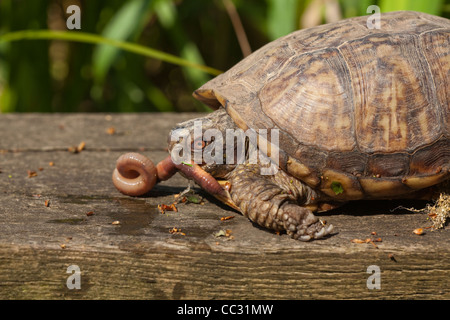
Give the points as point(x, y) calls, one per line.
point(429, 6)
point(122, 26)
point(337, 187)
point(144, 55)
point(279, 20)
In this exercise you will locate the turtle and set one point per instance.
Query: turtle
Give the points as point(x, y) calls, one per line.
point(359, 112)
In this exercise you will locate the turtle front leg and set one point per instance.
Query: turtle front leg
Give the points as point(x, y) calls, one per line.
point(274, 202)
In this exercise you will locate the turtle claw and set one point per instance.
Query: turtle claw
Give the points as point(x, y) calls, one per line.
point(324, 231)
point(301, 224)
point(304, 238)
point(319, 234)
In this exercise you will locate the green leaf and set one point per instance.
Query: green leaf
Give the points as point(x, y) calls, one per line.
point(8, 99)
point(166, 13)
point(187, 164)
point(95, 39)
point(337, 187)
point(428, 6)
point(159, 100)
point(193, 199)
point(188, 50)
point(281, 17)
point(121, 27)
point(352, 8)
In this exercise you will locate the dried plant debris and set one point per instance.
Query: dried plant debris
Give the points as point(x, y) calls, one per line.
point(31, 173)
point(226, 218)
point(226, 233)
point(392, 257)
point(164, 207)
point(111, 131)
point(185, 197)
point(438, 212)
point(368, 240)
point(175, 230)
point(77, 149)
point(188, 196)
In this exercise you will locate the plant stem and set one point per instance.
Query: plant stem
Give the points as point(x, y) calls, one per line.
point(95, 39)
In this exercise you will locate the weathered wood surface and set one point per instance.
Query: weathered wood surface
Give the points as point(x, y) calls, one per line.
point(140, 259)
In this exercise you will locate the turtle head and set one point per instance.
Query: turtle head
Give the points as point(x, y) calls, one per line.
point(203, 141)
point(197, 149)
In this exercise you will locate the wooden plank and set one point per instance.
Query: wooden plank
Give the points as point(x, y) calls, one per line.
point(140, 259)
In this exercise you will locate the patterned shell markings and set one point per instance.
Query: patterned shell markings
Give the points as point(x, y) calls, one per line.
point(368, 109)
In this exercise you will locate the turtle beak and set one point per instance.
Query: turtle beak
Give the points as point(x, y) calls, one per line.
point(225, 196)
point(217, 188)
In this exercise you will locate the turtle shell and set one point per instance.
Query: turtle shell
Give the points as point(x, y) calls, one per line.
point(361, 113)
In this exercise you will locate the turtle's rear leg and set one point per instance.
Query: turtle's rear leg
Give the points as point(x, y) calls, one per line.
point(273, 202)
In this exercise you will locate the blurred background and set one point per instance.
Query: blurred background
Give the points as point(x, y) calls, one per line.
point(65, 76)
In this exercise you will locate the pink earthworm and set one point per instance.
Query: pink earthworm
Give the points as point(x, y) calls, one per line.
point(201, 177)
point(135, 174)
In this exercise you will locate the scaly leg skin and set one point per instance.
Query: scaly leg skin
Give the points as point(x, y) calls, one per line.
point(274, 202)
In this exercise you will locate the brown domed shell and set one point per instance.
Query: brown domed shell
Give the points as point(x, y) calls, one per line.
point(362, 113)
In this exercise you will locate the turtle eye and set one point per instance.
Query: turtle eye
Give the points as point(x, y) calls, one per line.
point(198, 144)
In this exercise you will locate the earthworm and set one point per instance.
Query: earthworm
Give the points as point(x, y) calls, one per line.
point(201, 177)
point(165, 169)
point(136, 174)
